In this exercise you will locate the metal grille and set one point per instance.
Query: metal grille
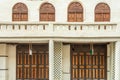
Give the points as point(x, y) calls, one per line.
point(117, 61)
point(58, 61)
point(112, 61)
point(35, 66)
point(85, 66)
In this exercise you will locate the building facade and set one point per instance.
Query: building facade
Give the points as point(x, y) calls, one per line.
point(59, 40)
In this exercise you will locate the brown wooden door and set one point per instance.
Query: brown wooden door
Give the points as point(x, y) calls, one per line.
point(85, 66)
point(32, 67)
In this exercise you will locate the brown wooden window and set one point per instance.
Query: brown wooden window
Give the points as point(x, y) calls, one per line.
point(20, 12)
point(102, 12)
point(75, 12)
point(47, 12)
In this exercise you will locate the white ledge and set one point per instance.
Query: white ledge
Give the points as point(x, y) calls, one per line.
point(57, 29)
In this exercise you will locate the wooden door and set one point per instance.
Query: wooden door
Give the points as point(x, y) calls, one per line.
point(85, 66)
point(32, 67)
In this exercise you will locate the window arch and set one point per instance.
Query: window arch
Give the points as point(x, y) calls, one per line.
point(102, 12)
point(20, 12)
point(75, 12)
point(47, 12)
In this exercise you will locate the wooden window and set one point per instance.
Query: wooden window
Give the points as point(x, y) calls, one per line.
point(47, 12)
point(20, 12)
point(102, 12)
point(75, 12)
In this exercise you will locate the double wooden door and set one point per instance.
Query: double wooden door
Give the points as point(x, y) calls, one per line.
point(85, 66)
point(32, 67)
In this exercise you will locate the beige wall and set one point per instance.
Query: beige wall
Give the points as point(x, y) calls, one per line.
point(7, 62)
point(11, 62)
point(3, 62)
point(32, 28)
point(66, 62)
point(61, 16)
point(61, 9)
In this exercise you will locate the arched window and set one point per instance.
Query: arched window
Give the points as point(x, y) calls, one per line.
point(75, 12)
point(47, 12)
point(19, 12)
point(102, 12)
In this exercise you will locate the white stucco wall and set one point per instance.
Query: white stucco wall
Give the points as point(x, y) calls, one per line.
point(66, 62)
point(3, 62)
point(60, 7)
point(61, 16)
